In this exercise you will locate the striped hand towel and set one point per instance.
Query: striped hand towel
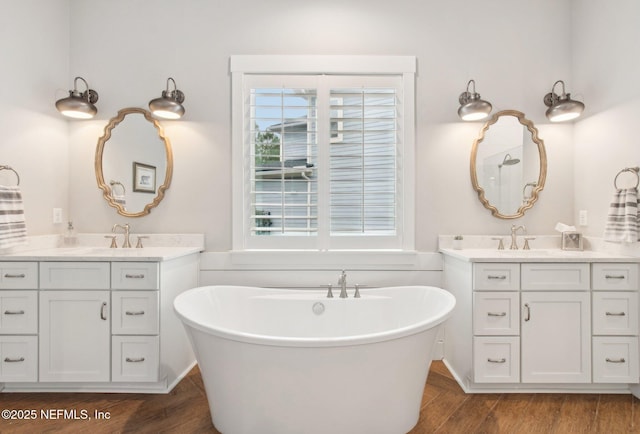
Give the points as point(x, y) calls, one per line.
point(623, 219)
point(13, 229)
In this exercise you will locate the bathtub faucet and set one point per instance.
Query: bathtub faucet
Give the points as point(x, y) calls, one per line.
point(342, 281)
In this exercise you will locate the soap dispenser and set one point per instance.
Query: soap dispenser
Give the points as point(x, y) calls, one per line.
point(69, 238)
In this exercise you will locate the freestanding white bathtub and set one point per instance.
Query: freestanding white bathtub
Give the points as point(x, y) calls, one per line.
point(293, 361)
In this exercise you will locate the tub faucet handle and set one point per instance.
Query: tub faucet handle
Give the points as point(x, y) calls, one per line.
point(357, 293)
point(329, 290)
point(500, 243)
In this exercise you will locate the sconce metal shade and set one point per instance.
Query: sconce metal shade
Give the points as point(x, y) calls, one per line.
point(79, 105)
point(472, 107)
point(562, 108)
point(169, 105)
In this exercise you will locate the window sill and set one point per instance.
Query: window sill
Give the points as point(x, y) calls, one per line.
point(321, 260)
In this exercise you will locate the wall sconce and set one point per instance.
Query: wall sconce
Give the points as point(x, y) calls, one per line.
point(79, 105)
point(169, 105)
point(472, 108)
point(562, 108)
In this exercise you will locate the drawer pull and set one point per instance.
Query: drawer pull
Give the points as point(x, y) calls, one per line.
point(103, 311)
point(134, 276)
point(139, 312)
point(609, 276)
point(136, 360)
point(527, 314)
point(492, 277)
point(503, 360)
point(615, 314)
point(496, 313)
point(620, 360)
point(15, 276)
point(16, 360)
point(14, 312)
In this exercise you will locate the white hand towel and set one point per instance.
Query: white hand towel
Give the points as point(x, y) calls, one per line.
point(13, 229)
point(622, 220)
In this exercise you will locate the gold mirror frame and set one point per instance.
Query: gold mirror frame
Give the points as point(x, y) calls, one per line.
point(543, 164)
point(102, 141)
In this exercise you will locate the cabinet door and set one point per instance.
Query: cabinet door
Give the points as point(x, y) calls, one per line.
point(556, 337)
point(74, 336)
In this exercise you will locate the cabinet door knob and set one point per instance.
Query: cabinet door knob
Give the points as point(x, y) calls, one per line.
point(13, 360)
point(103, 311)
point(527, 312)
point(502, 360)
point(609, 276)
point(615, 314)
point(135, 360)
point(620, 360)
point(496, 313)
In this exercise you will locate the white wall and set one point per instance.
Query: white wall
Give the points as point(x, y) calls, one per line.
point(606, 67)
point(126, 49)
point(34, 48)
point(513, 55)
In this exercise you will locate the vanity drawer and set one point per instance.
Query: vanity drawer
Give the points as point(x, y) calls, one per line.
point(615, 359)
point(134, 275)
point(135, 358)
point(18, 312)
point(496, 359)
point(18, 358)
point(615, 277)
point(615, 313)
point(134, 313)
point(494, 276)
point(552, 276)
point(18, 275)
point(496, 313)
point(74, 275)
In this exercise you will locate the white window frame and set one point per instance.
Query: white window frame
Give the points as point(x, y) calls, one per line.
point(404, 66)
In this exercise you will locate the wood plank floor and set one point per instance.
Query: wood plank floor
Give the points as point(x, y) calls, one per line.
point(445, 409)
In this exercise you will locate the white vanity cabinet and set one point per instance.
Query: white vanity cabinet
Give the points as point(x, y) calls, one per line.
point(546, 325)
point(94, 325)
point(18, 321)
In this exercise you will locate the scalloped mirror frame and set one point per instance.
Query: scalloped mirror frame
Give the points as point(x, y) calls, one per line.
point(102, 141)
point(543, 164)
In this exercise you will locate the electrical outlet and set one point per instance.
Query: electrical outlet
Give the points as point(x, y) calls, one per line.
point(57, 216)
point(582, 217)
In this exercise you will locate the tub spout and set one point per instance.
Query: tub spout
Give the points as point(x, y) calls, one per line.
point(342, 281)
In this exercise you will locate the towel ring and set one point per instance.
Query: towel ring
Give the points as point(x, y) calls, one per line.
point(11, 169)
point(633, 170)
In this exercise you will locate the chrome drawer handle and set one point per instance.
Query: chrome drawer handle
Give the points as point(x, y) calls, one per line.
point(139, 312)
point(620, 360)
point(134, 276)
point(503, 277)
point(503, 360)
point(136, 360)
point(497, 313)
point(615, 314)
point(14, 312)
point(609, 276)
point(10, 360)
point(15, 276)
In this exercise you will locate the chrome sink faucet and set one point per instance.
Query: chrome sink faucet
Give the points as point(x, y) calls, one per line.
point(342, 281)
point(514, 230)
point(126, 243)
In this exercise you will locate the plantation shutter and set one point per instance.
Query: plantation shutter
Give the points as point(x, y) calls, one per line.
point(363, 160)
point(282, 136)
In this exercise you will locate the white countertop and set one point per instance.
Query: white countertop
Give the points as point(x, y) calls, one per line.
point(536, 255)
point(93, 247)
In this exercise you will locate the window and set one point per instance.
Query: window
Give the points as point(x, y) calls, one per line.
point(323, 152)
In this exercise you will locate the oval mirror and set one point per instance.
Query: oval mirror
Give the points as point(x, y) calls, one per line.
point(133, 162)
point(508, 164)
